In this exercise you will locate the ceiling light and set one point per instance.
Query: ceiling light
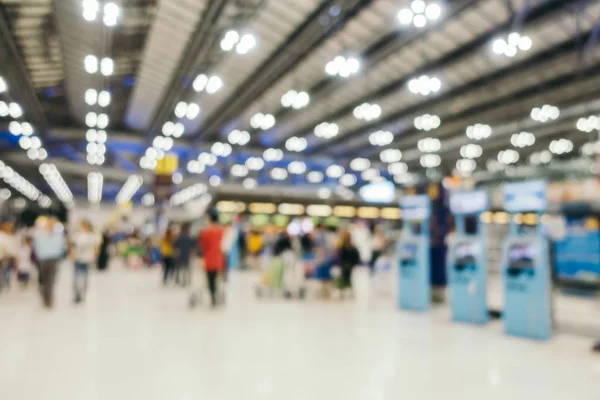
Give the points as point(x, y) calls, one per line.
point(348, 180)
point(56, 182)
point(381, 138)
point(214, 180)
point(466, 166)
point(95, 182)
point(91, 119)
point(3, 109)
point(324, 193)
point(103, 121)
point(229, 41)
point(14, 127)
point(370, 174)
point(168, 128)
point(424, 85)
point(279, 174)
point(367, 112)
point(221, 149)
point(429, 145)
point(427, 122)
point(342, 66)
point(104, 98)
point(296, 144)
point(403, 179)
point(522, 139)
point(15, 110)
point(561, 146)
point(296, 100)
point(315, 177)
point(238, 137)
point(335, 171)
point(3, 86)
point(148, 199)
point(189, 193)
point(243, 44)
point(181, 109)
point(107, 66)
point(246, 43)
point(430, 160)
point(297, 167)
point(510, 46)
point(214, 84)
point(249, 183)
point(479, 131)
point(239, 170)
point(588, 124)
point(545, 113)
point(262, 121)
point(101, 136)
point(590, 149)
point(397, 168)
point(131, 186)
point(360, 164)
point(471, 150)
point(207, 159)
point(508, 156)
point(273, 155)
point(390, 155)
point(111, 14)
point(195, 167)
point(25, 142)
point(178, 130)
point(326, 130)
point(91, 64)
point(193, 111)
point(255, 163)
point(91, 96)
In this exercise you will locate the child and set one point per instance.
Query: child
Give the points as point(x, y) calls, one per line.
point(25, 265)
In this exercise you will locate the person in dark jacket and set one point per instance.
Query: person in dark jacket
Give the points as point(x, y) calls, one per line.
point(348, 258)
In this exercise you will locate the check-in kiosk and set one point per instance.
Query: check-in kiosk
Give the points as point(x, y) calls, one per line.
point(525, 265)
point(467, 258)
point(413, 254)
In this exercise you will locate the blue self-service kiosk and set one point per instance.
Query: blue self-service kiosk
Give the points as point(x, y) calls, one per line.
point(467, 258)
point(413, 254)
point(525, 265)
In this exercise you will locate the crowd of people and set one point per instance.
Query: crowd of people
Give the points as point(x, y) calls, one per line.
point(37, 251)
point(324, 254)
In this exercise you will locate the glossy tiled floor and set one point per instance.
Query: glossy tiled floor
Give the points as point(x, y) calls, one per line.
point(135, 340)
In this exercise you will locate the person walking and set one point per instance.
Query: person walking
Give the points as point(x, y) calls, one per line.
point(348, 258)
point(210, 241)
point(184, 245)
point(49, 245)
point(167, 251)
point(103, 256)
point(8, 251)
point(84, 251)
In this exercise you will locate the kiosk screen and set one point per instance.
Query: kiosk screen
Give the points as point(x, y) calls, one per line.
point(408, 254)
point(521, 258)
point(466, 254)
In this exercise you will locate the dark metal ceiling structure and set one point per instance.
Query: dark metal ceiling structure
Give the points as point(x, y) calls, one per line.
point(191, 72)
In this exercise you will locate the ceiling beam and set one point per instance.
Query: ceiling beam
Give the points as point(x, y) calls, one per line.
point(537, 15)
point(308, 36)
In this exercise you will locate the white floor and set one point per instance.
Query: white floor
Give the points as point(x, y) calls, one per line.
point(136, 340)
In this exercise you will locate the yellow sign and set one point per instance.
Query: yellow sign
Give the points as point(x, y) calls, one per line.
point(167, 165)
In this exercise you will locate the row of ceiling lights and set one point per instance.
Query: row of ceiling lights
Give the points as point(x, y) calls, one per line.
point(57, 183)
point(129, 188)
point(28, 141)
point(95, 182)
point(22, 185)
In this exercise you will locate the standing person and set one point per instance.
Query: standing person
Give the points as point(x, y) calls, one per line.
point(348, 257)
point(323, 259)
point(378, 244)
point(8, 252)
point(214, 260)
point(184, 245)
point(167, 251)
point(84, 251)
point(254, 246)
point(49, 246)
point(25, 264)
point(103, 256)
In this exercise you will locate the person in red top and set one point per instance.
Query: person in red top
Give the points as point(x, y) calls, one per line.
point(214, 260)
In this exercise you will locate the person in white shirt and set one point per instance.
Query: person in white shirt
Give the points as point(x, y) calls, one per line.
point(84, 252)
point(8, 252)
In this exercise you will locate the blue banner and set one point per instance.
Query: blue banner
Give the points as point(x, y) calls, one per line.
point(577, 256)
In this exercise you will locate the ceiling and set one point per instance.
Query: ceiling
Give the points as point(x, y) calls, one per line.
point(161, 49)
